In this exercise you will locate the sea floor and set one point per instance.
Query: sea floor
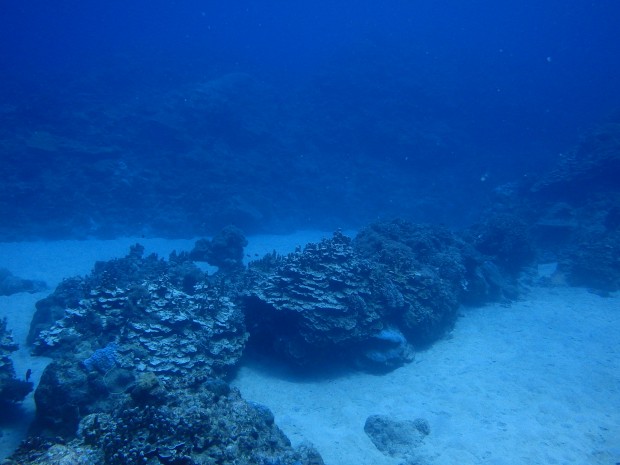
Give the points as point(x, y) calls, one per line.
point(535, 382)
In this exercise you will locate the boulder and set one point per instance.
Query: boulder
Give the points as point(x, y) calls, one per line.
point(396, 438)
point(12, 389)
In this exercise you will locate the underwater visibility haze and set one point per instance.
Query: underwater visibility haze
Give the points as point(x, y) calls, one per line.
point(370, 233)
point(178, 118)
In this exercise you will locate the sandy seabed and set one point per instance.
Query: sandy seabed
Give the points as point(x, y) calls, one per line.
point(536, 382)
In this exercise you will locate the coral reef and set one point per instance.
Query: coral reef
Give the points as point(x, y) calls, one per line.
point(397, 285)
point(134, 315)
point(578, 206)
point(142, 305)
point(594, 262)
point(425, 266)
point(314, 303)
point(142, 347)
point(102, 360)
point(209, 424)
point(422, 255)
point(593, 166)
point(12, 389)
point(505, 240)
point(225, 250)
point(588, 256)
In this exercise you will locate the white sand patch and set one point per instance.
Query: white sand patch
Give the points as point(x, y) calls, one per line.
point(534, 383)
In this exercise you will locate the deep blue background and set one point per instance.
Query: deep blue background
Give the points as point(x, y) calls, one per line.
point(491, 91)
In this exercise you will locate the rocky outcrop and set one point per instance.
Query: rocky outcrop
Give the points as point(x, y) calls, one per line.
point(164, 317)
point(11, 284)
point(132, 316)
point(372, 300)
point(594, 262)
point(12, 389)
point(397, 438)
point(313, 304)
point(225, 250)
point(578, 204)
point(210, 424)
point(142, 347)
point(592, 167)
point(505, 240)
point(431, 267)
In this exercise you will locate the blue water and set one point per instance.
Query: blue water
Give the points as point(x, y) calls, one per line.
point(176, 118)
point(173, 119)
